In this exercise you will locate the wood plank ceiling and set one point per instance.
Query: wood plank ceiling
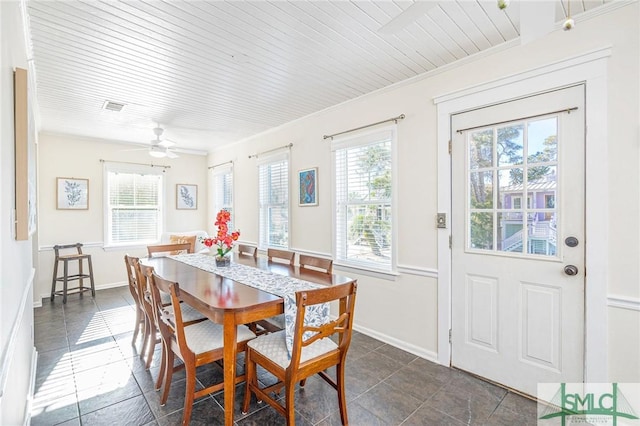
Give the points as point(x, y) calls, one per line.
point(214, 72)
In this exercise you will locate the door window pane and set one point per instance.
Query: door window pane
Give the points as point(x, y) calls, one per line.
point(510, 145)
point(481, 190)
point(481, 231)
point(510, 235)
point(542, 140)
point(481, 149)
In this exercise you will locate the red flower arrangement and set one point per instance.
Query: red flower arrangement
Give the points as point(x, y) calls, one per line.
point(223, 239)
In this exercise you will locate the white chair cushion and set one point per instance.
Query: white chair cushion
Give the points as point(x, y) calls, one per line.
point(207, 335)
point(188, 313)
point(273, 346)
point(278, 321)
point(200, 247)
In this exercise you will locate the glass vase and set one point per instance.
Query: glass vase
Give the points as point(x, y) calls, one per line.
point(222, 261)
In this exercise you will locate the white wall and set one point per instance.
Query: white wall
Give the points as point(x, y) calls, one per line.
point(16, 265)
point(66, 156)
point(403, 310)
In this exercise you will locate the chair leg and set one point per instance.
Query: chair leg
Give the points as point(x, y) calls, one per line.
point(189, 391)
point(93, 286)
point(146, 335)
point(163, 367)
point(55, 279)
point(289, 390)
point(151, 348)
point(250, 376)
point(342, 402)
point(80, 279)
point(64, 282)
point(167, 377)
point(139, 319)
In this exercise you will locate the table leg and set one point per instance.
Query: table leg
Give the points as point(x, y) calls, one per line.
point(229, 357)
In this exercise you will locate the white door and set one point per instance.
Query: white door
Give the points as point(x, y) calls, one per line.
point(518, 240)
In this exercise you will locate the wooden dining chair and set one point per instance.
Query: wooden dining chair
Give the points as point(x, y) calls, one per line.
point(309, 356)
point(316, 263)
point(248, 250)
point(136, 294)
point(281, 254)
point(150, 329)
point(197, 344)
point(174, 248)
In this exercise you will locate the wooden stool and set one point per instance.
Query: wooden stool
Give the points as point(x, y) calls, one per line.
point(65, 278)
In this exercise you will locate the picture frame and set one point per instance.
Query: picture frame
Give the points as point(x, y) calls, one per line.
point(72, 193)
point(308, 187)
point(186, 196)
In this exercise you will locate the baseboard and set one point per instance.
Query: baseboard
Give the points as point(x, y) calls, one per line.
point(32, 387)
point(416, 350)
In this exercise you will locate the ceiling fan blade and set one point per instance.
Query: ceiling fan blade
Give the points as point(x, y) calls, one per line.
point(407, 17)
point(172, 154)
point(166, 143)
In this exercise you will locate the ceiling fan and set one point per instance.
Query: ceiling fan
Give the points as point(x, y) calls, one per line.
point(161, 148)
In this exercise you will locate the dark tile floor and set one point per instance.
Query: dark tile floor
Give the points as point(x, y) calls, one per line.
point(89, 373)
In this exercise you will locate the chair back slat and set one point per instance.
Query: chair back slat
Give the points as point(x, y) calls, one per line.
point(248, 250)
point(316, 263)
point(281, 254)
point(173, 248)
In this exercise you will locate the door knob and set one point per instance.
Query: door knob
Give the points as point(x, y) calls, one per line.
point(571, 270)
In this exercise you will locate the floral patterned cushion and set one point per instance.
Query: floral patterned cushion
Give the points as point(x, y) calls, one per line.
point(274, 347)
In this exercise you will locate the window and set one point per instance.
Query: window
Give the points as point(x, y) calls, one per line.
point(363, 168)
point(223, 191)
point(273, 174)
point(134, 204)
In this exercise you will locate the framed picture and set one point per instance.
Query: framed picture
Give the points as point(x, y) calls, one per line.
point(186, 197)
point(308, 187)
point(72, 194)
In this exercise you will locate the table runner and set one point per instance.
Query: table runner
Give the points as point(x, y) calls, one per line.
point(280, 285)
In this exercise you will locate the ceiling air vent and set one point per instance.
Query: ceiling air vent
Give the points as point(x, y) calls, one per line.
point(112, 106)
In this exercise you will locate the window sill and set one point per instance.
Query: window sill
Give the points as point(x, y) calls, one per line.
point(128, 246)
point(368, 271)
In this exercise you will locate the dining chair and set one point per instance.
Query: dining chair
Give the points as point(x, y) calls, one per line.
point(135, 290)
point(172, 248)
point(150, 329)
point(311, 354)
point(248, 250)
point(281, 254)
point(195, 345)
point(316, 263)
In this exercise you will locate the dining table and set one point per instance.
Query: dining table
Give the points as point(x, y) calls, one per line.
point(231, 303)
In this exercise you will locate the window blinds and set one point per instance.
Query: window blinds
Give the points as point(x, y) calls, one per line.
point(363, 199)
point(134, 207)
point(223, 187)
point(273, 175)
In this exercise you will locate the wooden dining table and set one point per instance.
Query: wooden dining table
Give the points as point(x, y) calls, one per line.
point(230, 303)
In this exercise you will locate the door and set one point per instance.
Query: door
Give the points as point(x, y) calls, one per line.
point(518, 240)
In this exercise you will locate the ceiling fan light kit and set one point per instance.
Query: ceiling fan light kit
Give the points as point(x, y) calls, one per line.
point(160, 148)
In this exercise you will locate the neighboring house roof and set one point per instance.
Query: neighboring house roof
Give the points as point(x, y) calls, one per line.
point(534, 186)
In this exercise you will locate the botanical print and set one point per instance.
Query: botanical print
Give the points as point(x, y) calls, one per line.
point(187, 197)
point(73, 193)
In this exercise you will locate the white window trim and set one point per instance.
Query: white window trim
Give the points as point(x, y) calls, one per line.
point(222, 170)
point(129, 168)
point(364, 138)
point(267, 159)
